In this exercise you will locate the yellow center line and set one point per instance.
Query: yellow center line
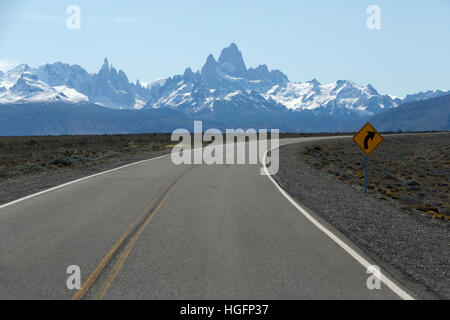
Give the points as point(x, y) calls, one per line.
point(123, 257)
point(101, 266)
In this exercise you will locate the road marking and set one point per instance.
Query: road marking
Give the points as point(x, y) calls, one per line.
point(86, 178)
point(389, 283)
point(118, 266)
point(78, 180)
point(101, 266)
point(125, 166)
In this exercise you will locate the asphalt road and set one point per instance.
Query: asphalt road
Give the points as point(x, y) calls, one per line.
point(155, 230)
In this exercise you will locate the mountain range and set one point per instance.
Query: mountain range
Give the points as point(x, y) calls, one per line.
point(424, 115)
point(224, 94)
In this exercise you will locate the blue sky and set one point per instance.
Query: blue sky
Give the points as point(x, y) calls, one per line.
point(327, 40)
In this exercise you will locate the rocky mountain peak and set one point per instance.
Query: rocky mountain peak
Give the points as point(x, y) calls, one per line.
point(372, 90)
point(105, 65)
point(188, 72)
point(231, 59)
point(209, 71)
point(314, 82)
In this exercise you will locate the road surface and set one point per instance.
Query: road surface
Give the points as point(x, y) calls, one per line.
point(154, 230)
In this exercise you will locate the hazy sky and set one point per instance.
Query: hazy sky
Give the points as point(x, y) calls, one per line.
point(327, 40)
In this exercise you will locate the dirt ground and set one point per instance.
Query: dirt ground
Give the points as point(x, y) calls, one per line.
point(412, 172)
point(20, 156)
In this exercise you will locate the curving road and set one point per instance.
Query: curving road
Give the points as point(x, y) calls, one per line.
point(154, 230)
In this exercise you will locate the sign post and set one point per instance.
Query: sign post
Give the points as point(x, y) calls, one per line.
point(367, 174)
point(368, 139)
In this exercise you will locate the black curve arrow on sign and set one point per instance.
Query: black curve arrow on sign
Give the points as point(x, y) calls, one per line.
point(370, 136)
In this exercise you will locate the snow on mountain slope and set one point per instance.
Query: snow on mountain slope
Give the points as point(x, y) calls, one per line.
point(113, 86)
point(228, 79)
point(425, 95)
point(71, 94)
point(344, 94)
point(220, 89)
point(62, 74)
point(218, 82)
point(28, 88)
point(8, 79)
point(108, 87)
point(61, 82)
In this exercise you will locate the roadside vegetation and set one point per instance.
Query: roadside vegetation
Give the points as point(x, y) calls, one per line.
point(21, 156)
point(412, 172)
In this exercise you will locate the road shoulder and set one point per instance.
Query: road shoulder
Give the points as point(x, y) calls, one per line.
point(398, 241)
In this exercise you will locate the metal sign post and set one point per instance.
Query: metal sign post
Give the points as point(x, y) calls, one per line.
point(368, 139)
point(367, 174)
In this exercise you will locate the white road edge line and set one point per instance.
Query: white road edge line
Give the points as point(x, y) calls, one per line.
point(85, 178)
point(400, 292)
point(389, 283)
point(78, 180)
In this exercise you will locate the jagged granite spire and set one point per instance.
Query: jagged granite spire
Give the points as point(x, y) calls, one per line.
point(209, 72)
point(231, 59)
point(105, 65)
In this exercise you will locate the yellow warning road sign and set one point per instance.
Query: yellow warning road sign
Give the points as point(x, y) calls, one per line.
point(368, 139)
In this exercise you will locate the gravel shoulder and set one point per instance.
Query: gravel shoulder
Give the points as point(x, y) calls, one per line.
point(406, 243)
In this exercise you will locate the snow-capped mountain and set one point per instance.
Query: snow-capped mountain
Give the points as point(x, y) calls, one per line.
point(336, 96)
point(8, 79)
point(422, 115)
point(21, 85)
point(68, 83)
point(222, 87)
point(61, 74)
point(223, 81)
point(108, 87)
point(425, 95)
point(224, 92)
